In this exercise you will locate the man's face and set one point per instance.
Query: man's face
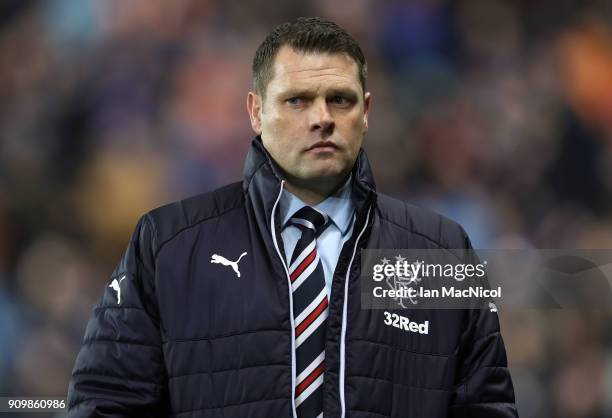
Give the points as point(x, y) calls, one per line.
point(313, 117)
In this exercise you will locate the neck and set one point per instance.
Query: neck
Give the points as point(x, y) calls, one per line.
point(313, 194)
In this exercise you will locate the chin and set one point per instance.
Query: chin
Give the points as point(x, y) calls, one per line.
point(326, 175)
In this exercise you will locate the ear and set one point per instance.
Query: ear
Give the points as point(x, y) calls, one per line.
point(254, 107)
point(367, 98)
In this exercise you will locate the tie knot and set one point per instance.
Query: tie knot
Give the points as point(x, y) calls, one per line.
point(310, 218)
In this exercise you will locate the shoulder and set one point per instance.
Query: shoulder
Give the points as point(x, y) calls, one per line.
point(444, 232)
point(170, 219)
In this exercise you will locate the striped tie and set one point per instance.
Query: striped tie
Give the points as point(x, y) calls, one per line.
point(309, 311)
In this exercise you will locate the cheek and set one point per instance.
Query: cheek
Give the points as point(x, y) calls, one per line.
point(352, 120)
point(274, 123)
point(353, 133)
point(353, 127)
point(276, 135)
point(359, 120)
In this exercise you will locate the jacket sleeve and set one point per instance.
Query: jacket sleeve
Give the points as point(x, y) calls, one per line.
point(119, 370)
point(483, 387)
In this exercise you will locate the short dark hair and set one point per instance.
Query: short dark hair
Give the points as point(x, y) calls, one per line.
point(305, 34)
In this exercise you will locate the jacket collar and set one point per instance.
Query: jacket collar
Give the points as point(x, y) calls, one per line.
point(262, 181)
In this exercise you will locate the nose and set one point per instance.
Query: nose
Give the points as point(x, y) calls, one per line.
point(321, 119)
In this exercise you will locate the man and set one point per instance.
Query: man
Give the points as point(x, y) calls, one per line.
point(245, 301)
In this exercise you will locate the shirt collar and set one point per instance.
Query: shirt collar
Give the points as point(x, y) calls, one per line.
point(338, 206)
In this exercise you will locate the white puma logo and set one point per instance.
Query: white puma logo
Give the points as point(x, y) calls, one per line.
point(115, 285)
point(218, 259)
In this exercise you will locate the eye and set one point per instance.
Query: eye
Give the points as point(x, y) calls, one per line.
point(340, 100)
point(295, 100)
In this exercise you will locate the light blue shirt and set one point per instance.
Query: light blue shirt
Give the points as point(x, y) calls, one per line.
point(339, 208)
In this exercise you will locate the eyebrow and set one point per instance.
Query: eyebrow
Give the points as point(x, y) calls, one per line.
point(296, 93)
point(344, 92)
point(337, 91)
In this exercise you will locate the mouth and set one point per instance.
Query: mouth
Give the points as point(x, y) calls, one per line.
point(323, 146)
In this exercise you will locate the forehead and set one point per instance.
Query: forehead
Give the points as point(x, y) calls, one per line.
point(297, 70)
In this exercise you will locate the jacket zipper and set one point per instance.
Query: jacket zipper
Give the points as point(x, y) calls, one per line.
point(344, 320)
point(273, 229)
point(344, 309)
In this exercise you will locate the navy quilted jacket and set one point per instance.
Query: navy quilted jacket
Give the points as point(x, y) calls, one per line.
point(189, 338)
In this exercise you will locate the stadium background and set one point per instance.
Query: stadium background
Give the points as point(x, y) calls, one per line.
point(496, 113)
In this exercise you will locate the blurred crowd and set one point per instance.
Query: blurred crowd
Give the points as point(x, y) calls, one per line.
point(496, 113)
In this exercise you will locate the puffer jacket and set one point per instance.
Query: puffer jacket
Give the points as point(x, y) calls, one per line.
point(176, 335)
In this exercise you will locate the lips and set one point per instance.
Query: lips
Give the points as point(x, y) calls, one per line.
point(323, 145)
